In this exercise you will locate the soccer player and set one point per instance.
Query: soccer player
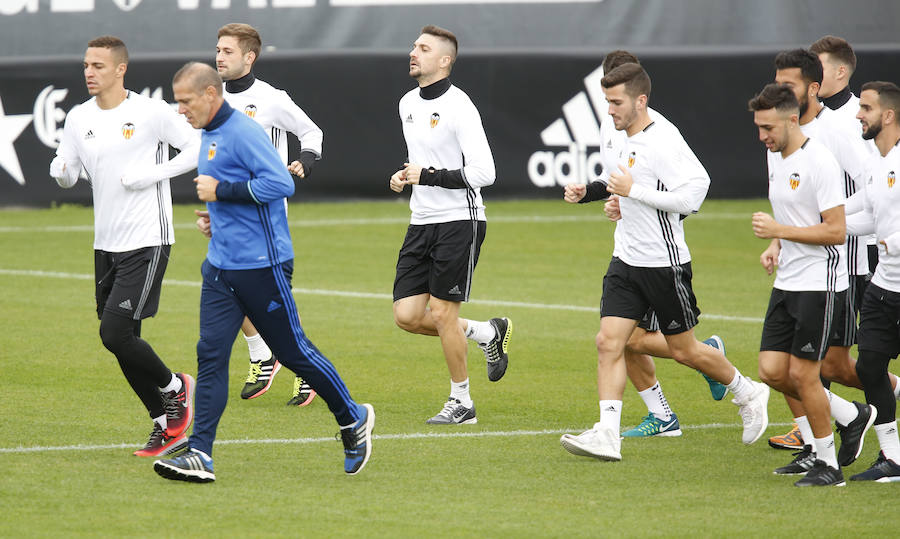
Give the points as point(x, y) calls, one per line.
point(658, 178)
point(449, 161)
point(244, 182)
point(660, 419)
point(236, 52)
point(122, 140)
point(879, 339)
point(808, 294)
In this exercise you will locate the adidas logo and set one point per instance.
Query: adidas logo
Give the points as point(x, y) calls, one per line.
point(576, 130)
point(609, 409)
point(454, 291)
point(808, 348)
point(673, 325)
point(273, 305)
point(89, 134)
point(409, 119)
point(126, 305)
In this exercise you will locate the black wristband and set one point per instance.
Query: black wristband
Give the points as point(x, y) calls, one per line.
point(596, 190)
point(234, 192)
point(448, 179)
point(307, 159)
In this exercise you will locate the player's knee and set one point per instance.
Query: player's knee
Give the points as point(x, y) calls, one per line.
point(606, 344)
point(115, 333)
point(407, 320)
point(770, 376)
point(870, 372)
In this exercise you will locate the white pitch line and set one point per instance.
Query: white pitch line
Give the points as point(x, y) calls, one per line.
point(400, 436)
point(381, 296)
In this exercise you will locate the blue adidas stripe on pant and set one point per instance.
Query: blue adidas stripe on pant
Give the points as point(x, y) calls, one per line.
point(263, 295)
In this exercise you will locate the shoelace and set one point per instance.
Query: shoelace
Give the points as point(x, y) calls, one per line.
point(172, 403)
point(255, 373)
point(492, 351)
point(298, 385)
point(449, 407)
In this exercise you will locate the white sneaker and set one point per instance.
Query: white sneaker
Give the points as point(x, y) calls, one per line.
point(754, 412)
point(603, 444)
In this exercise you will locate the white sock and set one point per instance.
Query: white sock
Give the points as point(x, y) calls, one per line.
point(460, 392)
point(824, 448)
point(173, 385)
point(161, 421)
point(805, 430)
point(259, 350)
point(610, 416)
point(740, 386)
point(480, 332)
point(656, 402)
point(842, 410)
point(888, 440)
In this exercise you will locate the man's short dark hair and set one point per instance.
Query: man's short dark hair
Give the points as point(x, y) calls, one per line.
point(443, 33)
point(616, 58)
point(114, 44)
point(775, 96)
point(809, 64)
point(247, 37)
point(633, 76)
point(888, 94)
point(200, 76)
point(837, 48)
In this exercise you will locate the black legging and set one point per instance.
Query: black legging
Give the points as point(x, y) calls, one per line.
point(872, 369)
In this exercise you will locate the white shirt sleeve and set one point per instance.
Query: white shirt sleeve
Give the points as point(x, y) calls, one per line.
point(478, 170)
point(293, 119)
point(685, 179)
point(173, 129)
point(829, 183)
point(66, 166)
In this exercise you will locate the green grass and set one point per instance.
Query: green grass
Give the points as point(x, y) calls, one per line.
point(60, 387)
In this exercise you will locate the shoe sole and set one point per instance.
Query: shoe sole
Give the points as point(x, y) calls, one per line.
point(574, 448)
point(862, 438)
point(189, 386)
point(784, 445)
point(765, 421)
point(721, 347)
point(177, 474)
point(370, 426)
point(666, 434)
point(471, 421)
point(275, 370)
point(504, 347)
point(173, 447)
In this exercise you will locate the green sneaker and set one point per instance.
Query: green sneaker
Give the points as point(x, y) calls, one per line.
point(260, 377)
point(654, 426)
point(717, 389)
point(303, 393)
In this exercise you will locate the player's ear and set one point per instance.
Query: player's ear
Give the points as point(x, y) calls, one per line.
point(121, 69)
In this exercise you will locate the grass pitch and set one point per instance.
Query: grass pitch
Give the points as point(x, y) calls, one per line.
point(69, 421)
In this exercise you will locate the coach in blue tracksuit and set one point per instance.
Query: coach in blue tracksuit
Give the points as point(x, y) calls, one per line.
point(248, 272)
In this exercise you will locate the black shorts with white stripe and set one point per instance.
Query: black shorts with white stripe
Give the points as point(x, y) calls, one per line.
point(801, 323)
point(129, 283)
point(879, 320)
point(630, 291)
point(844, 328)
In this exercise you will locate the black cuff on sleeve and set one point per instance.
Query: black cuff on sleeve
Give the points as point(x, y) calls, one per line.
point(234, 192)
point(595, 191)
point(448, 179)
point(307, 159)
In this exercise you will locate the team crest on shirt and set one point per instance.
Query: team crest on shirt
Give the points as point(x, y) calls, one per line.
point(891, 178)
point(435, 118)
point(795, 181)
point(250, 110)
point(128, 130)
point(631, 157)
point(211, 152)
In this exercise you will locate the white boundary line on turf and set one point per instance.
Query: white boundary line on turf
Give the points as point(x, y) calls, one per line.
point(377, 295)
point(407, 436)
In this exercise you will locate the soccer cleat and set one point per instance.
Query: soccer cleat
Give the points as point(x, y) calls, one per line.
point(791, 440)
point(303, 393)
point(822, 475)
point(193, 466)
point(603, 444)
point(358, 441)
point(754, 412)
point(496, 350)
point(162, 443)
point(654, 426)
point(454, 413)
point(179, 406)
point(853, 435)
point(717, 389)
point(260, 377)
point(802, 463)
point(881, 471)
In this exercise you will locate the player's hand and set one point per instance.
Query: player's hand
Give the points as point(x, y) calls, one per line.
point(620, 182)
point(203, 222)
point(397, 182)
point(411, 173)
point(206, 187)
point(765, 226)
point(296, 168)
point(611, 208)
point(574, 192)
point(769, 257)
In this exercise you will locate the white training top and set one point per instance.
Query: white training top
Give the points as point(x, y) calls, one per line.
point(276, 112)
point(613, 140)
point(801, 187)
point(668, 181)
point(446, 133)
point(882, 213)
point(133, 140)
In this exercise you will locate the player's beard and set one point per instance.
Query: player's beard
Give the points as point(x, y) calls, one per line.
point(872, 131)
point(804, 105)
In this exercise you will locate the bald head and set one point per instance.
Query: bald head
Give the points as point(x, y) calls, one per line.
point(198, 92)
point(198, 76)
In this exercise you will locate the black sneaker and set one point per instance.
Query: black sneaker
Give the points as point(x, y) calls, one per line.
point(881, 471)
point(802, 463)
point(496, 351)
point(260, 377)
point(303, 393)
point(852, 435)
point(161, 443)
point(179, 406)
point(822, 475)
point(454, 413)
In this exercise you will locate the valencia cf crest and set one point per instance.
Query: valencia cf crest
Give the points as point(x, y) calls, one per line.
point(631, 158)
point(891, 178)
point(795, 181)
point(250, 110)
point(128, 130)
point(211, 152)
point(435, 118)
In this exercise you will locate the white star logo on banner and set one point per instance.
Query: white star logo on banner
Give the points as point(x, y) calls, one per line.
point(10, 128)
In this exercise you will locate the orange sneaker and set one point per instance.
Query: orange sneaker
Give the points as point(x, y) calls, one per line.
point(792, 440)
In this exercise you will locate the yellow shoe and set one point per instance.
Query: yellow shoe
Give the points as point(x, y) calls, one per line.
point(791, 440)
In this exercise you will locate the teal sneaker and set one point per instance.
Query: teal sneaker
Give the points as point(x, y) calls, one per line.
point(654, 426)
point(717, 389)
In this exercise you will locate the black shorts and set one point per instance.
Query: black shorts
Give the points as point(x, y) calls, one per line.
point(128, 284)
point(800, 323)
point(879, 321)
point(439, 259)
point(630, 291)
point(649, 322)
point(844, 328)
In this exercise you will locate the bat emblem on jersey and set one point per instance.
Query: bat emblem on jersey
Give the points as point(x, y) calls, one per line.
point(631, 158)
point(891, 178)
point(128, 130)
point(435, 118)
point(795, 181)
point(250, 110)
point(211, 152)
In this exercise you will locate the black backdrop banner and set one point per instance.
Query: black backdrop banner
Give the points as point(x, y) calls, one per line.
point(539, 112)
